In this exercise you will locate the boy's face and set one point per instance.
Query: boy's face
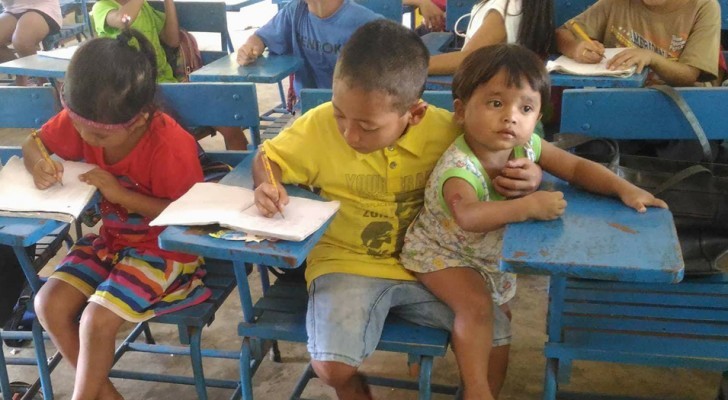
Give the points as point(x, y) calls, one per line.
point(367, 120)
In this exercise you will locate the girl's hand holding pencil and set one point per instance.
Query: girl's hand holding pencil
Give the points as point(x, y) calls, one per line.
point(46, 171)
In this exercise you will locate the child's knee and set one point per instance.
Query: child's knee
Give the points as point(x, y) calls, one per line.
point(333, 373)
point(100, 320)
point(24, 45)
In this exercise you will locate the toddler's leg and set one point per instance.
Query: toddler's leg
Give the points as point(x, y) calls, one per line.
point(234, 137)
point(99, 327)
point(464, 290)
point(29, 32)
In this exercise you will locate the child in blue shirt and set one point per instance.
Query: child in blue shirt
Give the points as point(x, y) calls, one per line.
point(314, 30)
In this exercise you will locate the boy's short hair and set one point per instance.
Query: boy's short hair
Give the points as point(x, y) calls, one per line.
point(384, 56)
point(483, 64)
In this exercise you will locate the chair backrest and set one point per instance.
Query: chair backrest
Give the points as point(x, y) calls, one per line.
point(27, 107)
point(564, 10)
point(311, 98)
point(390, 9)
point(642, 113)
point(203, 17)
point(454, 9)
point(211, 104)
point(723, 14)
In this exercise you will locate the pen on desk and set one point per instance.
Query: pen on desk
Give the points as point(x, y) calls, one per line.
point(272, 179)
point(580, 32)
point(45, 154)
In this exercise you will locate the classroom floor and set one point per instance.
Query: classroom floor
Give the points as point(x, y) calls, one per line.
point(275, 381)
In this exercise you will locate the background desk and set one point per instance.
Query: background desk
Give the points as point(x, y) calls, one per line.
point(266, 69)
point(36, 65)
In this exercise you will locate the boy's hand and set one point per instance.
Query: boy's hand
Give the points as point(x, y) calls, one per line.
point(590, 52)
point(546, 206)
point(627, 58)
point(107, 184)
point(248, 53)
point(44, 176)
point(268, 199)
point(519, 177)
point(640, 199)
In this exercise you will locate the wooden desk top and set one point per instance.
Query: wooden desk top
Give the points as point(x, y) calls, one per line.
point(597, 238)
point(266, 69)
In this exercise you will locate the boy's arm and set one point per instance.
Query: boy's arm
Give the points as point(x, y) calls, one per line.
point(432, 14)
point(269, 198)
point(250, 50)
point(586, 52)
point(594, 177)
point(131, 8)
point(170, 31)
point(473, 215)
point(674, 73)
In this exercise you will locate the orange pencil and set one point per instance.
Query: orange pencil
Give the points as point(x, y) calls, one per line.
point(271, 178)
point(44, 153)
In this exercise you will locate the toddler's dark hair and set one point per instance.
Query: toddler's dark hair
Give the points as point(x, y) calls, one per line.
point(385, 56)
point(518, 62)
point(112, 80)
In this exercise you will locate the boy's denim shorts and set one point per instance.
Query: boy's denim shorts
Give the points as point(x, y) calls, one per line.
point(346, 314)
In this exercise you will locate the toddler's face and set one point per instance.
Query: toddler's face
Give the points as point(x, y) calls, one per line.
point(498, 117)
point(367, 120)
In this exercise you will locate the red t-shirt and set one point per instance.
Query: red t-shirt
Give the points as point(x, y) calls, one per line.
point(163, 164)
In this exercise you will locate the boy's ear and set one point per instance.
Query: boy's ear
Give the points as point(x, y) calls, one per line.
point(459, 114)
point(417, 112)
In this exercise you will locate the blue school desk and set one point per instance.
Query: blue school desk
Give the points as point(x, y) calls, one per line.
point(36, 65)
point(266, 69)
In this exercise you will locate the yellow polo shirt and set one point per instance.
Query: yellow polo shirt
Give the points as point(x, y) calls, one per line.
point(380, 193)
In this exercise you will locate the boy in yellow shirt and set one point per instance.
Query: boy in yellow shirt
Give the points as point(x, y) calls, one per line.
point(372, 148)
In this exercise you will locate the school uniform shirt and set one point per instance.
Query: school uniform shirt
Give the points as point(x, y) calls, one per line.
point(163, 164)
point(690, 34)
point(380, 193)
point(435, 241)
point(51, 8)
point(511, 17)
point(318, 41)
point(149, 21)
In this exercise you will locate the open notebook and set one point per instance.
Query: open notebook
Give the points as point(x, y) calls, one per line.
point(20, 198)
point(566, 65)
point(234, 207)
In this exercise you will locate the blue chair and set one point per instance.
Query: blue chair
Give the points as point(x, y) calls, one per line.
point(205, 17)
point(198, 104)
point(281, 315)
point(454, 9)
point(674, 325)
point(79, 30)
point(29, 107)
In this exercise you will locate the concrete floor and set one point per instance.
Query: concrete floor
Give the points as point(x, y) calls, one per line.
point(274, 381)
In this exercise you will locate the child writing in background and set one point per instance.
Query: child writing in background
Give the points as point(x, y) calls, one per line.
point(110, 17)
point(376, 144)
point(24, 24)
point(454, 244)
point(313, 30)
point(526, 22)
point(678, 39)
point(145, 160)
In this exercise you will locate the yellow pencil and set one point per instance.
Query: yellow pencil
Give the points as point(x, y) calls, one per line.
point(44, 153)
point(271, 178)
point(580, 32)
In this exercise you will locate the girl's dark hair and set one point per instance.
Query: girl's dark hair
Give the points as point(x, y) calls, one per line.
point(537, 25)
point(112, 80)
point(483, 64)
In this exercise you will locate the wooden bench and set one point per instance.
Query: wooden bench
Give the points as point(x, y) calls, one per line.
point(675, 325)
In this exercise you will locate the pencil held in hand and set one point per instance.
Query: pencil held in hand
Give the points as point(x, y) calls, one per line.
point(45, 155)
point(580, 32)
point(272, 180)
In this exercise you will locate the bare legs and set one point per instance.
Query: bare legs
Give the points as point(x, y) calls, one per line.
point(88, 345)
point(348, 384)
point(24, 33)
